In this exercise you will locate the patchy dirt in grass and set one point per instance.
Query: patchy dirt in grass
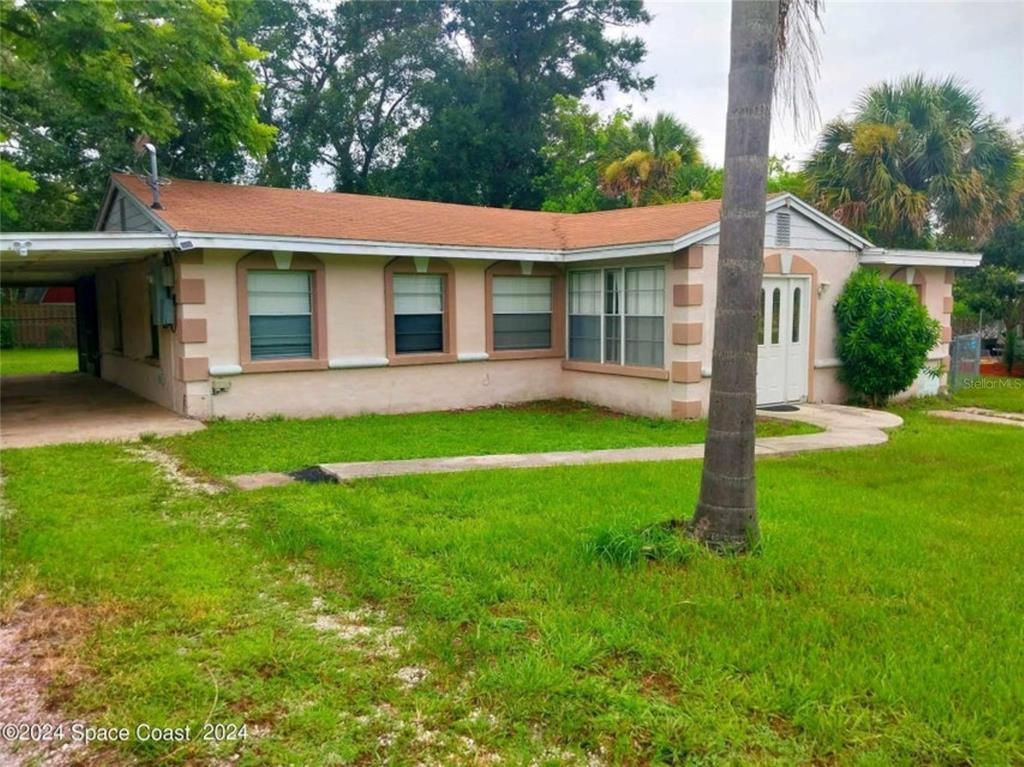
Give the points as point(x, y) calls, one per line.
point(368, 630)
point(173, 471)
point(38, 670)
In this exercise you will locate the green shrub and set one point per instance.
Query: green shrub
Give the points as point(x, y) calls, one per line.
point(884, 335)
point(6, 334)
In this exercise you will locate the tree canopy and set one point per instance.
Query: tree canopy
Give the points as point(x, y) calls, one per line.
point(919, 158)
point(83, 82)
point(437, 100)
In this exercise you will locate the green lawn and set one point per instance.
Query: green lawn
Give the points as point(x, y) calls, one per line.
point(880, 623)
point(279, 444)
point(23, 362)
point(1006, 394)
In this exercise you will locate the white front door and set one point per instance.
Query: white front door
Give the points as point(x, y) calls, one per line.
point(782, 343)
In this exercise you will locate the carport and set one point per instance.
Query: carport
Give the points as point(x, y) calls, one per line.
point(77, 407)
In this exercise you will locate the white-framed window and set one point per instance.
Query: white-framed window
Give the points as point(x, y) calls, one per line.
point(521, 307)
point(280, 314)
point(617, 316)
point(419, 313)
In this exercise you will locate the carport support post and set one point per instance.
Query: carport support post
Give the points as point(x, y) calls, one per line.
point(87, 325)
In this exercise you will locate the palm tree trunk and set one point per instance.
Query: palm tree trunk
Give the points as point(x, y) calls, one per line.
point(726, 515)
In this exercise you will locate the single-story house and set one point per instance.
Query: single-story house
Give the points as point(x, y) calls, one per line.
point(236, 301)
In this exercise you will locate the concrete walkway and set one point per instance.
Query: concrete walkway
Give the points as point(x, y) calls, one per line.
point(981, 415)
point(844, 427)
point(58, 408)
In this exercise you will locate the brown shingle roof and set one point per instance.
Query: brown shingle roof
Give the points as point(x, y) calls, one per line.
point(202, 206)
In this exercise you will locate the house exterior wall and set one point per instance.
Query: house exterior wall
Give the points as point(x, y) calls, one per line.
point(199, 373)
point(935, 288)
point(131, 363)
point(832, 268)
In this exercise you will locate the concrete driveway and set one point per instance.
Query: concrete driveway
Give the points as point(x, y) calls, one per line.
point(74, 407)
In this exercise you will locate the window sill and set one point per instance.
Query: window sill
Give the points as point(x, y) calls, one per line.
point(283, 366)
point(399, 360)
point(657, 374)
point(523, 354)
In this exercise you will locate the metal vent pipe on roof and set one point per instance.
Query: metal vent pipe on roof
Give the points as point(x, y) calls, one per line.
point(154, 178)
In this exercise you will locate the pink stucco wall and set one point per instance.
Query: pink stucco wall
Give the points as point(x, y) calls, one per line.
point(356, 324)
point(133, 366)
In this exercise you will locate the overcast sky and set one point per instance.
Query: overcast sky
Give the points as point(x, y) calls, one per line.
point(861, 43)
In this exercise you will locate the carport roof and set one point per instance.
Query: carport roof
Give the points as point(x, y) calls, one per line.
point(59, 258)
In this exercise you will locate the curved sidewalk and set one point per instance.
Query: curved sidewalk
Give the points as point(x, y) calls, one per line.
point(844, 427)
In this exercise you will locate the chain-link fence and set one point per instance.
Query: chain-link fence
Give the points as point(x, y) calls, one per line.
point(964, 360)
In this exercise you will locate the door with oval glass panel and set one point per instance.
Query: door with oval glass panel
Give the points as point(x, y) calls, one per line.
point(782, 340)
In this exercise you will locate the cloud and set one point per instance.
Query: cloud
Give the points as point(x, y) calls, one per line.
point(862, 43)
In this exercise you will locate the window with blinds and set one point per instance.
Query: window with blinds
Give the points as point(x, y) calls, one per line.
point(585, 315)
point(521, 308)
point(419, 313)
point(617, 316)
point(280, 314)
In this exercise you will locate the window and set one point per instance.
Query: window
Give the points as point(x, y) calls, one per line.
point(776, 312)
point(280, 314)
point(419, 313)
point(617, 316)
point(585, 316)
point(760, 321)
point(782, 228)
point(796, 315)
point(522, 308)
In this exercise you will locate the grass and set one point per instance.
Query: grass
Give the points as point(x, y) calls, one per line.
point(1006, 394)
point(278, 444)
point(879, 624)
point(24, 362)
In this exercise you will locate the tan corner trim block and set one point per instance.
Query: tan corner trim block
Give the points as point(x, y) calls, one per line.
point(949, 275)
point(193, 368)
point(687, 333)
point(947, 305)
point(687, 295)
point(192, 331)
point(947, 334)
point(685, 409)
point(686, 372)
point(688, 258)
point(192, 291)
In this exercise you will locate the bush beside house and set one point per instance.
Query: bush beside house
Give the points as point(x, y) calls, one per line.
point(884, 336)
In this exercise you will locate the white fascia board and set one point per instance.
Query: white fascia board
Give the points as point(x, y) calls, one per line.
point(920, 258)
point(328, 246)
point(618, 251)
point(108, 199)
point(86, 243)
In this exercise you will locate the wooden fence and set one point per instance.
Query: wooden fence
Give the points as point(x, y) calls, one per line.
point(39, 325)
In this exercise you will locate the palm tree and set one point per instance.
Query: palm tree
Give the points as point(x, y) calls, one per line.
point(772, 53)
point(656, 150)
point(918, 157)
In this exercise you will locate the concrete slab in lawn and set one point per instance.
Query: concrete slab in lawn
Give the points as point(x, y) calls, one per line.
point(845, 427)
point(981, 415)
